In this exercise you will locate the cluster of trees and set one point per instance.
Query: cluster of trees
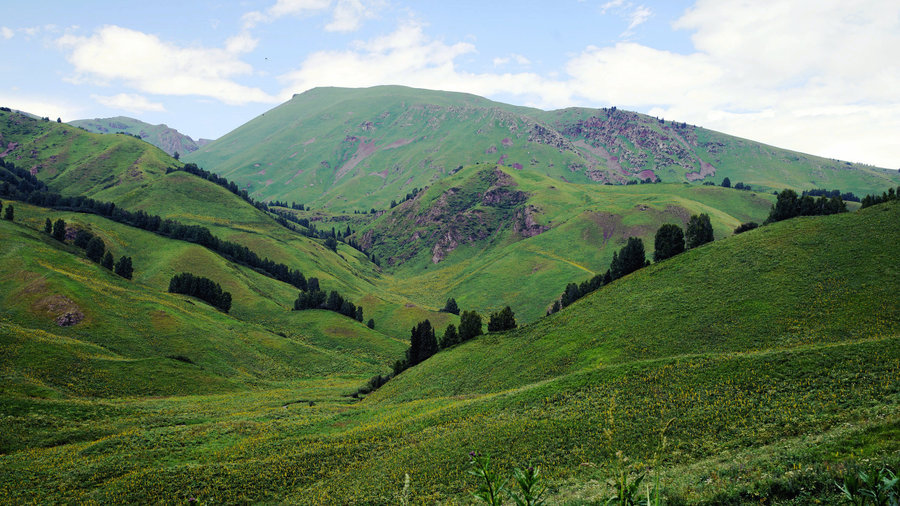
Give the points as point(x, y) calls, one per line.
point(821, 192)
point(315, 298)
point(726, 183)
point(409, 196)
point(202, 288)
point(871, 200)
point(670, 240)
point(423, 342)
point(192, 168)
point(172, 229)
point(94, 249)
point(18, 183)
point(788, 205)
point(502, 320)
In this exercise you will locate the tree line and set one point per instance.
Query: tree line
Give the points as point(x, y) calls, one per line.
point(93, 246)
point(788, 205)
point(871, 200)
point(315, 298)
point(202, 288)
point(670, 240)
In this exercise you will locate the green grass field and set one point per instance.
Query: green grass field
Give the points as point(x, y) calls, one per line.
point(776, 353)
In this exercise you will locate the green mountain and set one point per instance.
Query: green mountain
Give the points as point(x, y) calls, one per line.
point(348, 149)
point(167, 139)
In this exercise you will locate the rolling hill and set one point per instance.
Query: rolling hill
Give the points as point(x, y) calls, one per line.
point(167, 139)
point(771, 357)
point(355, 149)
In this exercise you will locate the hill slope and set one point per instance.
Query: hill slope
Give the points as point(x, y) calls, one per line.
point(776, 354)
point(167, 139)
point(362, 148)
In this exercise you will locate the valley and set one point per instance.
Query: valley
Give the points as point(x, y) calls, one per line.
point(763, 366)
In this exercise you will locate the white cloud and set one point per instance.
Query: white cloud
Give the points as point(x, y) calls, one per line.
point(349, 15)
point(6, 33)
point(518, 58)
point(150, 65)
point(41, 106)
point(638, 16)
point(129, 102)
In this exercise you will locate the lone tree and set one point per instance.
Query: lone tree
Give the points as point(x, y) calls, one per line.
point(502, 320)
point(95, 249)
point(726, 183)
point(9, 213)
point(469, 325)
point(370, 323)
point(629, 259)
point(669, 242)
point(699, 231)
point(451, 307)
point(59, 229)
point(124, 268)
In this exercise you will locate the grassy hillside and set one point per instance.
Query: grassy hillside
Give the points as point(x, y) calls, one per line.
point(131, 173)
point(167, 139)
point(468, 235)
point(776, 354)
point(357, 149)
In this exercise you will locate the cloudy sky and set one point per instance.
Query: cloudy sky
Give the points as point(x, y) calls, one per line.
point(819, 76)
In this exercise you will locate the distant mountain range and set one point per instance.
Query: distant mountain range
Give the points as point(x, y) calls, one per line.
point(350, 149)
point(161, 136)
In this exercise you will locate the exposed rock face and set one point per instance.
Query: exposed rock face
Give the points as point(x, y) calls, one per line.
point(69, 318)
point(525, 224)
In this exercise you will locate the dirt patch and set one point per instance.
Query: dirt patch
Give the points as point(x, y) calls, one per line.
point(62, 309)
point(307, 143)
point(293, 155)
point(397, 144)
point(161, 320)
point(608, 223)
point(705, 170)
point(340, 332)
point(365, 148)
point(507, 142)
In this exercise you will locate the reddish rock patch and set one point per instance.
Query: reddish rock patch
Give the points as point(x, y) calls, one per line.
point(365, 148)
point(293, 155)
point(507, 142)
point(398, 143)
point(307, 143)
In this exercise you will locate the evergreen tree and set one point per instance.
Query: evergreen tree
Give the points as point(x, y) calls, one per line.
point(48, 226)
point(469, 325)
point(726, 183)
point(669, 242)
point(9, 213)
point(95, 249)
point(699, 231)
point(451, 307)
point(502, 320)
point(630, 258)
point(331, 243)
point(422, 343)
point(59, 229)
point(370, 323)
point(335, 301)
point(359, 314)
point(124, 268)
point(555, 308)
point(107, 261)
point(572, 293)
point(451, 337)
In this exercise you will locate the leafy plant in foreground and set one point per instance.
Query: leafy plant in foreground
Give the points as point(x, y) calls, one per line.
point(491, 491)
point(880, 489)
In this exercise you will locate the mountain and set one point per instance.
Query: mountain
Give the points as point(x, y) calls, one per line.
point(347, 149)
point(167, 139)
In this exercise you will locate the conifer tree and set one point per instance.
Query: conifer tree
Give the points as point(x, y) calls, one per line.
point(48, 226)
point(502, 320)
point(95, 249)
point(469, 325)
point(669, 242)
point(107, 261)
point(9, 213)
point(451, 337)
point(59, 229)
point(629, 259)
point(124, 267)
point(451, 307)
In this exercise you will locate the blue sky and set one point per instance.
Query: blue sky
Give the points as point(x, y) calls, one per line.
point(816, 76)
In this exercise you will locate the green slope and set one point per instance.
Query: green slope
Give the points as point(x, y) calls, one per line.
point(361, 148)
point(776, 353)
point(492, 236)
point(167, 139)
point(132, 174)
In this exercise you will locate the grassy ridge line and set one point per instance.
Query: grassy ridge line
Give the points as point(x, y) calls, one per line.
point(805, 280)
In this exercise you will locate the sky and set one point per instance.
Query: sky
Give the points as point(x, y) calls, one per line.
point(817, 76)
